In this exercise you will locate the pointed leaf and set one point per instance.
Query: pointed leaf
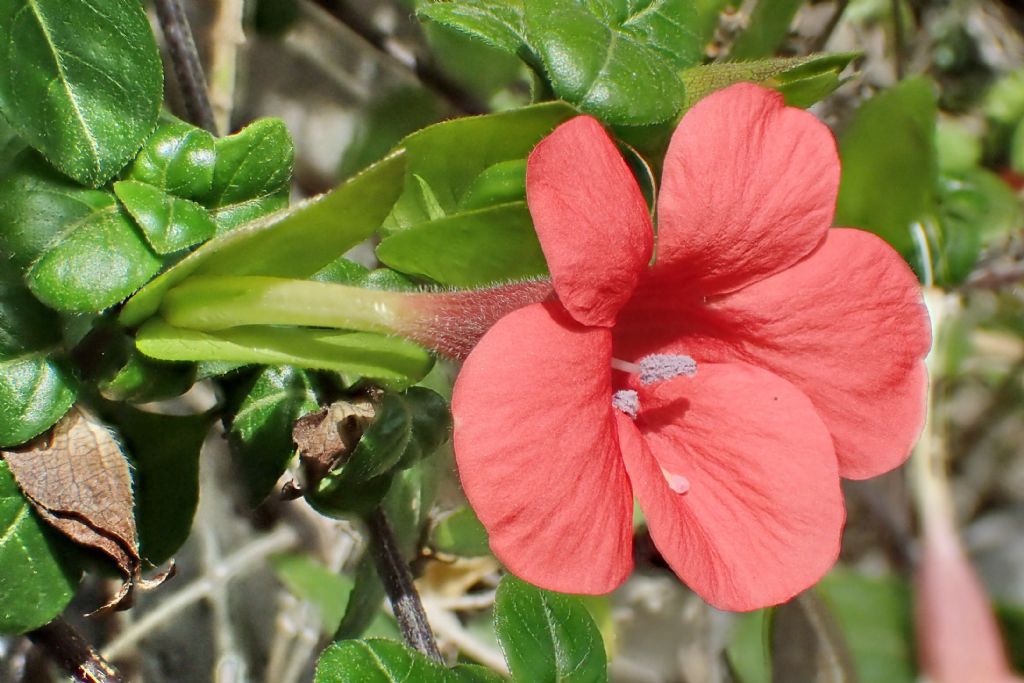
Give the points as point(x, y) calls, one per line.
point(37, 577)
point(82, 81)
point(499, 23)
point(547, 636)
point(386, 661)
point(169, 223)
point(178, 158)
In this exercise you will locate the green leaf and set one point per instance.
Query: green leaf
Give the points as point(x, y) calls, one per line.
point(261, 431)
point(143, 379)
point(462, 534)
point(294, 243)
point(386, 661)
point(164, 453)
point(767, 29)
point(251, 174)
point(889, 163)
point(309, 580)
point(365, 354)
point(616, 59)
point(788, 75)
point(35, 388)
point(169, 223)
point(498, 23)
point(482, 141)
point(36, 579)
point(547, 636)
point(502, 183)
point(469, 249)
point(82, 81)
point(365, 600)
point(178, 158)
point(79, 250)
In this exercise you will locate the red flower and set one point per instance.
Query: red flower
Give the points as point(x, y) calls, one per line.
point(808, 345)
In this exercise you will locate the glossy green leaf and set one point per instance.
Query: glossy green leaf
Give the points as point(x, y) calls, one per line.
point(309, 580)
point(79, 250)
point(35, 389)
point(469, 249)
point(169, 223)
point(36, 579)
point(889, 163)
point(778, 73)
point(365, 354)
point(261, 430)
point(294, 243)
point(547, 636)
point(251, 174)
point(481, 141)
point(499, 23)
point(178, 158)
point(386, 661)
point(82, 81)
point(462, 534)
point(164, 453)
point(616, 59)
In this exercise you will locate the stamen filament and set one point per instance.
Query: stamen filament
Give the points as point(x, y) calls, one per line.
point(625, 366)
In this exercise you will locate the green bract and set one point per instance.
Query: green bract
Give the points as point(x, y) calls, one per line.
point(82, 81)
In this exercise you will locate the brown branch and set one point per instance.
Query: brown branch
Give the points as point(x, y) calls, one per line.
point(64, 644)
point(187, 67)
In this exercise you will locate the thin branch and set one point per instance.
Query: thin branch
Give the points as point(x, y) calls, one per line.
point(430, 77)
point(226, 36)
point(819, 43)
point(187, 66)
point(394, 573)
point(73, 654)
point(899, 44)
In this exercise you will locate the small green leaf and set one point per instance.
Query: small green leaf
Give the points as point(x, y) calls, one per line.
point(616, 59)
point(294, 243)
point(889, 163)
point(80, 251)
point(469, 249)
point(164, 453)
point(37, 580)
point(309, 580)
point(143, 379)
point(386, 661)
point(502, 183)
point(547, 636)
point(389, 359)
point(35, 388)
point(178, 158)
point(767, 29)
point(251, 174)
point(82, 81)
point(169, 223)
point(261, 431)
point(462, 534)
point(498, 23)
point(482, 141)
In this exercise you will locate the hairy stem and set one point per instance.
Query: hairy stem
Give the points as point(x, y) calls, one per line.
point(187, 67)
point(73, 654)
point(394, 573)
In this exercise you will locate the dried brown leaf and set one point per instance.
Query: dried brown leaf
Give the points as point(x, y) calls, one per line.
point(79, 481)
point(327, 436)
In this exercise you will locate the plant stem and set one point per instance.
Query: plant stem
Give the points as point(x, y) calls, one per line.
point(187, 66)
point(394, 573)
point(73, 654)
point(819, 43)
point(226, 36)
point(898, 42)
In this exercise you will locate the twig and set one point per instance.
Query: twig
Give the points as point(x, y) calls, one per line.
point(424, 71)
point(394, 573)
point(226, 35)
point(240, 562)
point(819, 43)
point(73, 654)
point(897, 39)
point(187, 66)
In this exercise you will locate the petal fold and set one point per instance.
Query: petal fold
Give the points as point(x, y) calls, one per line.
point(538, 452)
point(591, 218)
point(749, 188)
point(762, 515)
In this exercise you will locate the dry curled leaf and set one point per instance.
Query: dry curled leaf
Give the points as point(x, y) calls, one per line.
point(78, 480)
point(325, 437)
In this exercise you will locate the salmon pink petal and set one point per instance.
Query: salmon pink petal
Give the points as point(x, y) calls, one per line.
point(591, 219)
point(762, 515)
point(538, 452)
point(749, 188)
point(848, 327)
